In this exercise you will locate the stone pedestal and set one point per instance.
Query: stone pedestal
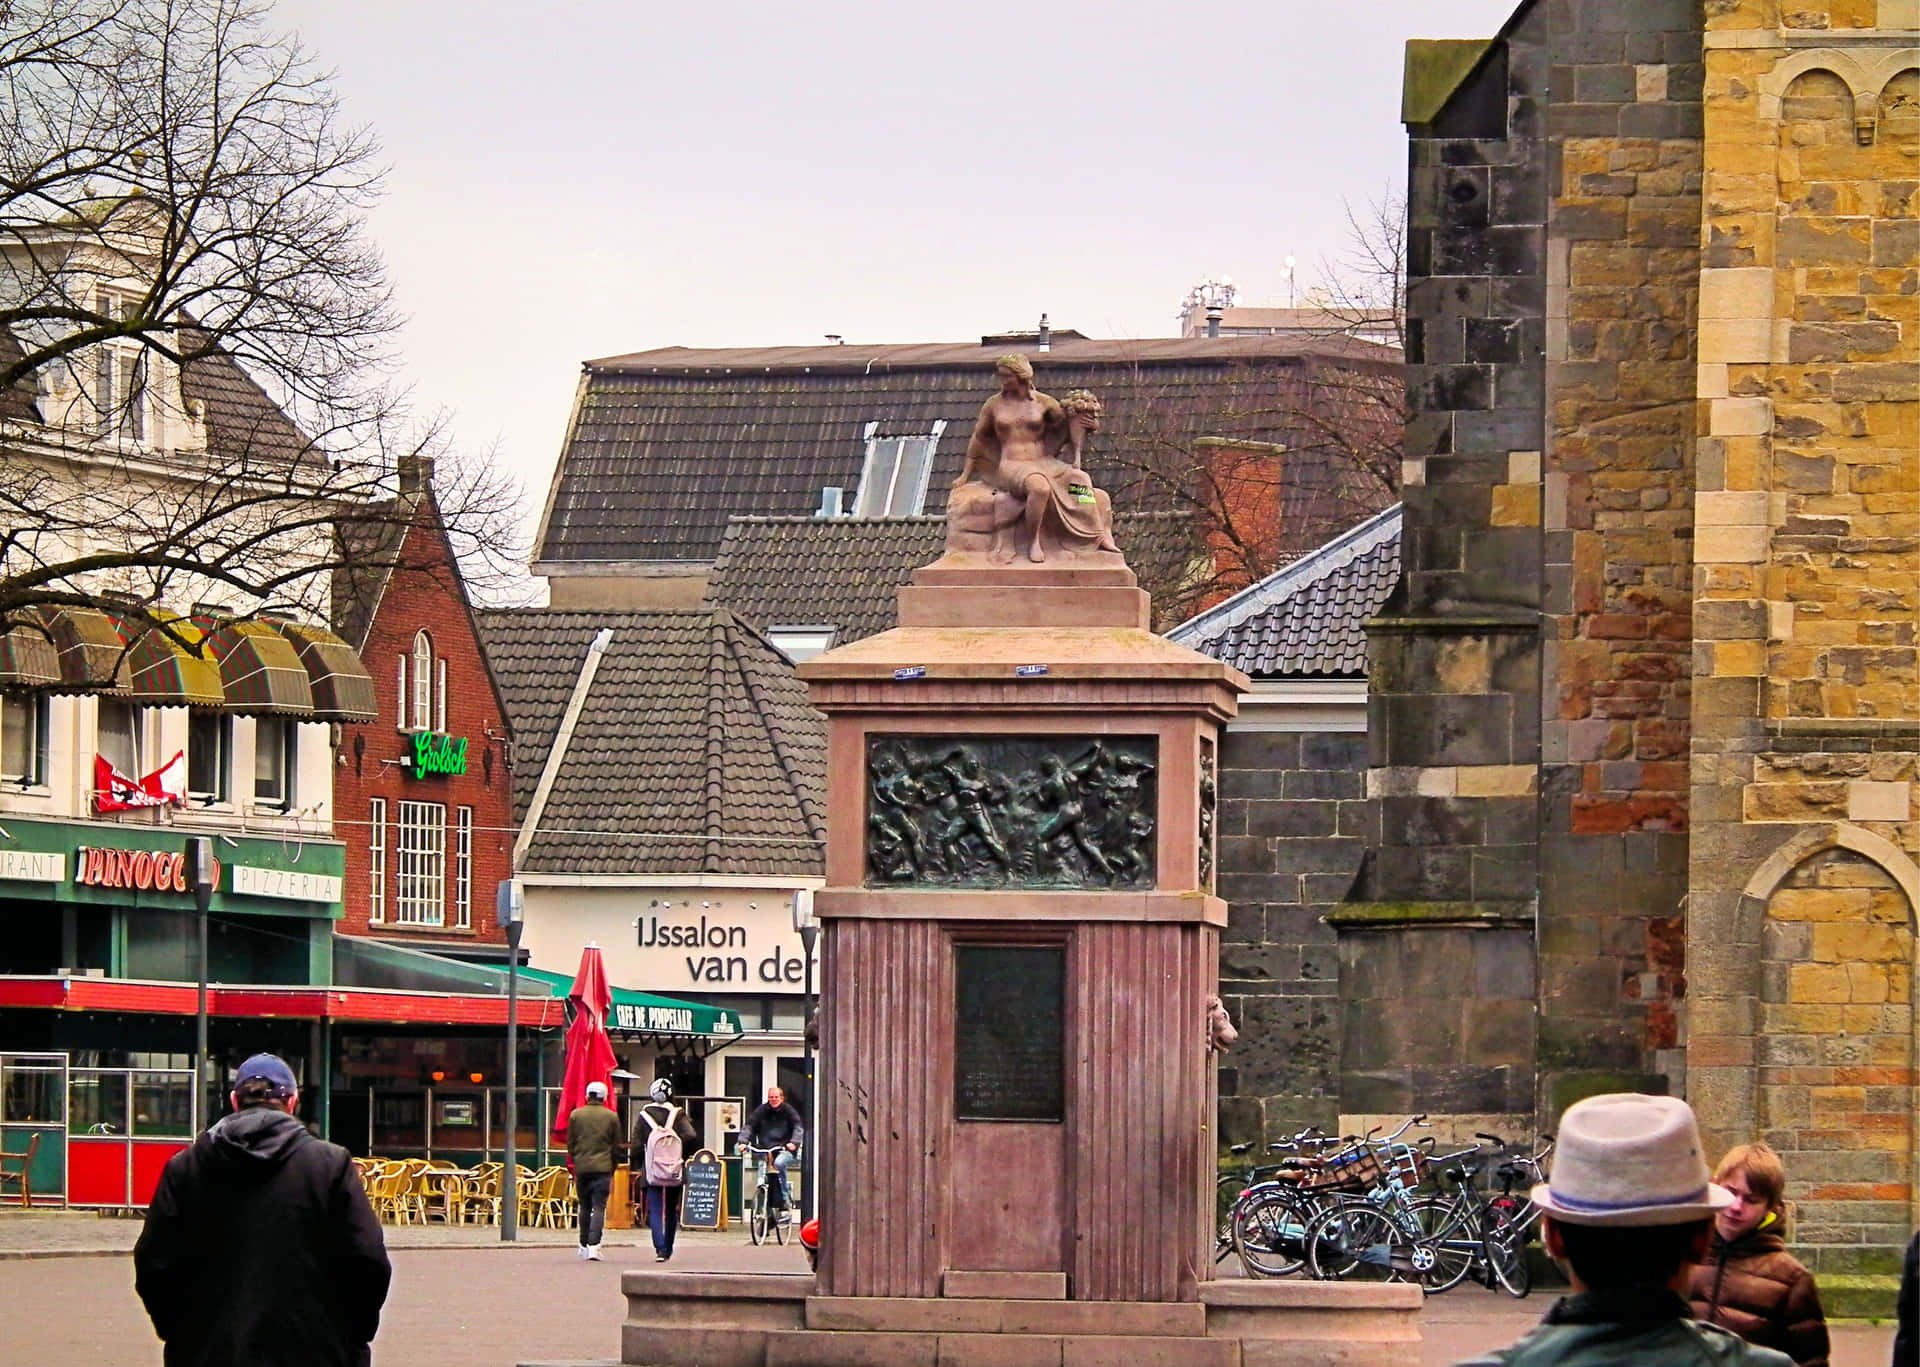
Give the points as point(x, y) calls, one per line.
point(1097, 1182)
point(1015, 1138)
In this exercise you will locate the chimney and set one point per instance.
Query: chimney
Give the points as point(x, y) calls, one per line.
point(829, 501)
point(415, 474)
point(1046, 334)
point(1213, 320)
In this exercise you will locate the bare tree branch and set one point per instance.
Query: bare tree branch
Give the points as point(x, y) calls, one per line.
point(195, 327)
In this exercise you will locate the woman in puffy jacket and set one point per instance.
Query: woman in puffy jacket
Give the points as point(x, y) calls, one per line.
point(1749, 1283)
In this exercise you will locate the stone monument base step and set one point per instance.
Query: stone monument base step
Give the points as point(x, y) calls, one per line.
point(694, 1320)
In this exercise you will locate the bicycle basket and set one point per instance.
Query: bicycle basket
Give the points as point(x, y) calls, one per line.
point(1408, 1165)
point(1354, 1170)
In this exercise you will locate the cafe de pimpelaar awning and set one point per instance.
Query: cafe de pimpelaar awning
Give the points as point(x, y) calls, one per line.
point(666, 1023)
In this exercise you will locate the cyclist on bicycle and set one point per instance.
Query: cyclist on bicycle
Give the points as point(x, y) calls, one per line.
point(776, 1125)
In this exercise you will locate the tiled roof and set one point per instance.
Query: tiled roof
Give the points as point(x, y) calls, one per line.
point(243, 423)
point(1309, 618)
point(695, 751)
point(666, 445)
point(842, 571)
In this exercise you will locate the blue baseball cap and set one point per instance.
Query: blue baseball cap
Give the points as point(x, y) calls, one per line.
point(267, 1068)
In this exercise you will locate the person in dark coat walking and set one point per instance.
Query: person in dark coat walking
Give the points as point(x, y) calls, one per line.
point(1749, 1283)
point(260, 1249)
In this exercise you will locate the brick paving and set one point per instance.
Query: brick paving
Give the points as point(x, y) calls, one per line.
point(491, 1305)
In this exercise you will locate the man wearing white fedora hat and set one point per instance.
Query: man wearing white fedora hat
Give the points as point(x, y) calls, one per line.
point(1628, 1207)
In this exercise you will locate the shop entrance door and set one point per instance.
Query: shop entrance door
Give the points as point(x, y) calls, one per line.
point(33, 1117)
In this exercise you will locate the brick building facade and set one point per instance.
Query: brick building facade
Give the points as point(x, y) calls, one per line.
point(1642, 708)
point(424, 794)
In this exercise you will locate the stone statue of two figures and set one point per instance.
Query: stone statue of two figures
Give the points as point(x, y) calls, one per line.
point(1022, 491)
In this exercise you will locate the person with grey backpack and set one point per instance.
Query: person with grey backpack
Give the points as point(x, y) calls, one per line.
point(669, 1137)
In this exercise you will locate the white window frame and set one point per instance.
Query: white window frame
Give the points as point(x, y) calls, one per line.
point(280, 734)
point(33, 772)
point(463, 867)
point(377, 861)
point(420, 715)
point(119, 393)
point(402, 701)
point(137, 721)
point(420, 863)
point(440, 695)
point(884, 458)
point(223, 787)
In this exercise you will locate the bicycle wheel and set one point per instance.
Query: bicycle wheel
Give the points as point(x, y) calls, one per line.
point(780, 1220)
point(1447, 1234)
point(1356, 1243)
point(1226, 1196)
point(757, 1220)
point(1507, 1256)
point(1268, 1233)
point(1506, 1244)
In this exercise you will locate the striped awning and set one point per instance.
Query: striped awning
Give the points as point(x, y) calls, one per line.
point(90, 651)
point(27, 657)
point(342, 688)
point(164, 670)
point(259, 668)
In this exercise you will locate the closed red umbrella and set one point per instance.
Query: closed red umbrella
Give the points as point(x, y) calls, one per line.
point(589, 1051)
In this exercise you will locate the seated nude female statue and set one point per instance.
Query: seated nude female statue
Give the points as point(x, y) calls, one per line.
point(1015, 453)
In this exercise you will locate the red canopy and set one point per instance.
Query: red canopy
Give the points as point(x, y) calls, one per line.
point(589, 1052)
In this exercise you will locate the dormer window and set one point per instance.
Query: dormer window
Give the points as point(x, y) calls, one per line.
point(893, 478)
point(119, 394)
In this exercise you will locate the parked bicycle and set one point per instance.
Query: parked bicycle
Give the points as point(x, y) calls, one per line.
point(768, 1217)
point(1478, 1232)
point(1273, 1220)
point(1260, 1219)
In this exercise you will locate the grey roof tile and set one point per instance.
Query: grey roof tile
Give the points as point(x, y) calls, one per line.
point(1309, 618)
point(842, 571)
point(696, 749)
point(666, 445)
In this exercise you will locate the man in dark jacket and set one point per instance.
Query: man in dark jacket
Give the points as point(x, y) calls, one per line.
point(593, 1143)
point(775, 1125)
point(260, 1249)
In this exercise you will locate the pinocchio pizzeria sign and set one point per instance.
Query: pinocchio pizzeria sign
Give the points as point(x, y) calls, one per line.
point(140, 870)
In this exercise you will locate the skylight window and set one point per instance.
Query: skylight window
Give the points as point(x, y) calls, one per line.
point(893, 480)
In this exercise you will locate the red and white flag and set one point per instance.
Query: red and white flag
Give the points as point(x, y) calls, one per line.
point(166, 786)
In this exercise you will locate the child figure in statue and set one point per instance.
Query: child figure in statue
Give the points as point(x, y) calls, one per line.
point(1014, 457)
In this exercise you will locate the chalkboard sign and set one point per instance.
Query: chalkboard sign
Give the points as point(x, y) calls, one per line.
point(1009, 1033)
point(703, 1200)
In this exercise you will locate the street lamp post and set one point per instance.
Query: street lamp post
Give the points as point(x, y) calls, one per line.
point(808, 925)
point(200, 876)
point(511, 904)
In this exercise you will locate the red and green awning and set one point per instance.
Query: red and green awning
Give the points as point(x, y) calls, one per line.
point(260, 669)
point(166, 666)
point(28, 658)
point(88, 648)
point(342, 688)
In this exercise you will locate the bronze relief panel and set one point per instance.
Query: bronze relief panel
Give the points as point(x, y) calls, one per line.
point(1011, 811)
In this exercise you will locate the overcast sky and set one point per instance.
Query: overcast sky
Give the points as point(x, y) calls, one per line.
point(579, 178)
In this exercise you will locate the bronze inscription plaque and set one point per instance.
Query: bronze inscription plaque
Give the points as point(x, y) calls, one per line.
point(1009, 1033)
point(1011, 811)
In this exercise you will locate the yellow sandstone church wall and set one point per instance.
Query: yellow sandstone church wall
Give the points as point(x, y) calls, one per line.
point(1807, 605)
